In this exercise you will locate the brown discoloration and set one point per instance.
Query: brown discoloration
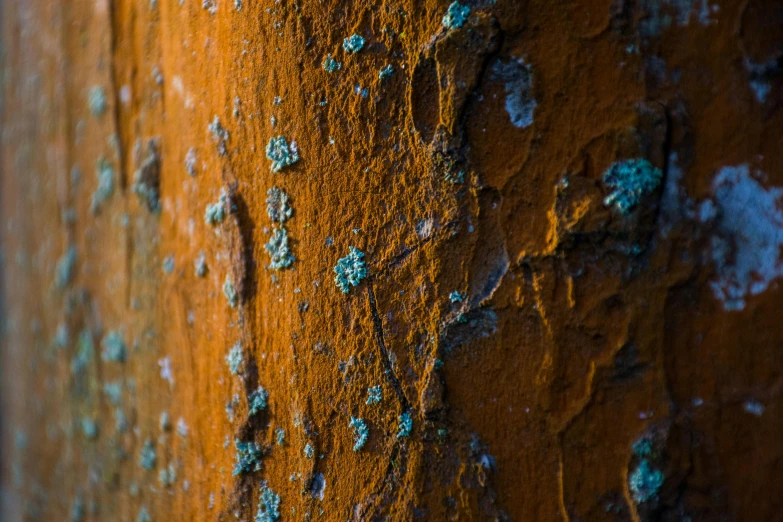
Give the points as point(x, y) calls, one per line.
point(581, 330)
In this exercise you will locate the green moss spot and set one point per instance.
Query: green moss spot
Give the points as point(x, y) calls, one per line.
point(281, 154)
point(350, 270)
point(360, 431)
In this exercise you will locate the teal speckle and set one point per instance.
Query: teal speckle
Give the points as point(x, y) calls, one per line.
point(90, 428)
point(645, 482)
point(280, 436)
point(281, 154)
point(309, 451)
point(268, 505)
point(331, 65)
point(374, 394)
point(279, 252)
point(113, 347)
point(257, 400)
point(456, 16)
point(630, 180)
point(360, 431)
point(353, 44)
point(404, 425)
point(168, 264)
point(350, 270)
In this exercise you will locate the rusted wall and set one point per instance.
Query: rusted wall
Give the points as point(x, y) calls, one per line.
point(568, 347)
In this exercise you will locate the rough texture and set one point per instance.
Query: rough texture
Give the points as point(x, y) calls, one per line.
point(595, 365)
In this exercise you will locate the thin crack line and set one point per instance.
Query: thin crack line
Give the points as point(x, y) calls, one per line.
point(378, 327)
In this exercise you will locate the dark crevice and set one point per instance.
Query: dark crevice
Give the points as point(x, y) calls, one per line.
point(388, 370)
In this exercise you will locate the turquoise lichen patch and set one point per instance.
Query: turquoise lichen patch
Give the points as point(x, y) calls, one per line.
point(113, 347)
point(96, 99)
point(86, 349)
point(148, 456)
point(353, 44)
point(219, 135)
point(279, 252)
point(280, 436)
point(331, 65)
point(309, 451)
point(645, 482)
point(268, 505)
point(248, 457)
point(360, 431)
point(404, 425)
point(257, 401)
point(456, 297)
point(216, 212)
point(234, 358)
point(281, 154)
point(374, 394)
point(350, 270)
point(277, 206)
point(63, 272)
point(629, 182)
point(230, 292)
point(105, 174)
point(456, 16)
